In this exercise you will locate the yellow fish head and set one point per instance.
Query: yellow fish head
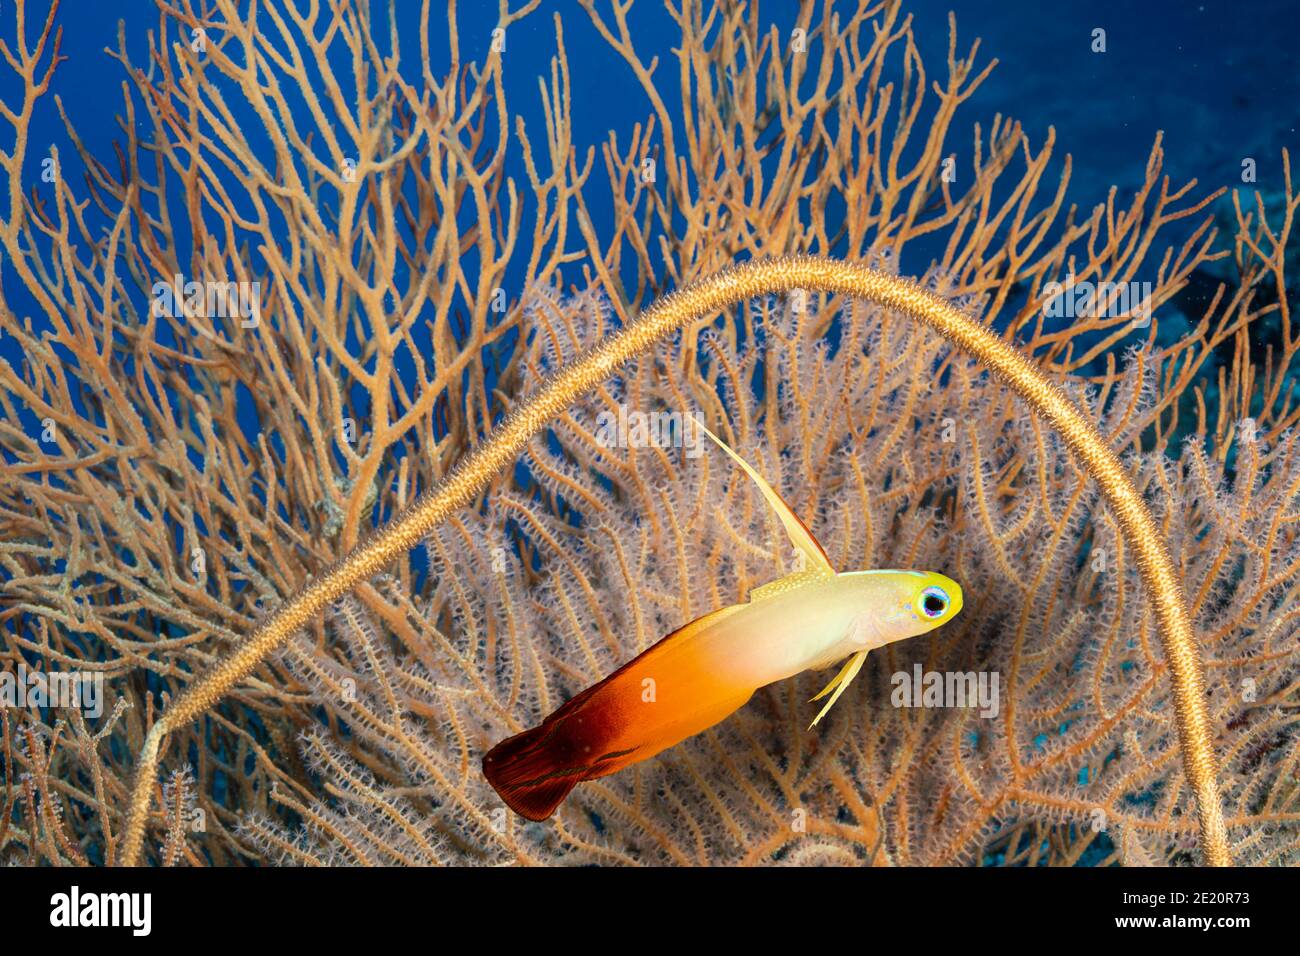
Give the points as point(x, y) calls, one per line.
point(935, 600)
point(898, 604)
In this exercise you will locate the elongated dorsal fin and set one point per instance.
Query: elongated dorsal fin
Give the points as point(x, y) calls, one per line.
point(815, 560)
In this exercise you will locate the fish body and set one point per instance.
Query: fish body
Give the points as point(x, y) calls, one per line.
point(703, 672)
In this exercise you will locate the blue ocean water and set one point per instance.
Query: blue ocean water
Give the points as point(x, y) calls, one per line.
point(1217, 78)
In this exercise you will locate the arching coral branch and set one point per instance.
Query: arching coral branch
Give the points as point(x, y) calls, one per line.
point(672, 312)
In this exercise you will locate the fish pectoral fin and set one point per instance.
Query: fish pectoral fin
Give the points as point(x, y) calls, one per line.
point(807, 546)
point(838, 684)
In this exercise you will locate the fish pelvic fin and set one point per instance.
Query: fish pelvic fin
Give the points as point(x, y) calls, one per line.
point(838, 684)
point(805, 544)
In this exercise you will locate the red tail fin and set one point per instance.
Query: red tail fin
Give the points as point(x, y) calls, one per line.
point(524, 771)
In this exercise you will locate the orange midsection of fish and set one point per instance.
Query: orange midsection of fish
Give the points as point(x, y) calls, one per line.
point(668, 693)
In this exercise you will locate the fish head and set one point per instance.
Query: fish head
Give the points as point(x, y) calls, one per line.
point(935, 599)
point(883, 607)
point(894, 605)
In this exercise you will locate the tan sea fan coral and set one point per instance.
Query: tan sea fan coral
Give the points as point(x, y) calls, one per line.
point(380, 221)
point(665, 537)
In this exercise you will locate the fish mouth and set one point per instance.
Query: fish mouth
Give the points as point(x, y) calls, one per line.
point(954, 597)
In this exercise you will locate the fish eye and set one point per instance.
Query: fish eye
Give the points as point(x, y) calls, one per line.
point(934, 601)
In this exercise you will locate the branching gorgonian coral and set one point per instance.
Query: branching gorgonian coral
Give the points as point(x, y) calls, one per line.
point(894, 471)
point(144, 528)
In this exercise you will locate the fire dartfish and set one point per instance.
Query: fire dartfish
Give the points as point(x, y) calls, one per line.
point(706, 670)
